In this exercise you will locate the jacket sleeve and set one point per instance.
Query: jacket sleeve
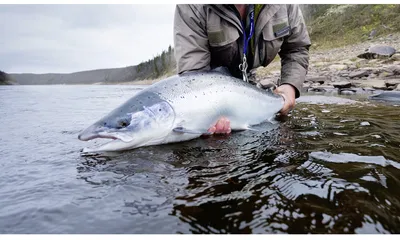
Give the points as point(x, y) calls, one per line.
point(294, 51)
point(190, 39)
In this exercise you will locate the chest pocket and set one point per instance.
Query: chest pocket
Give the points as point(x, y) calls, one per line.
point(220, 32)
point(273, 35)
point(222, 38)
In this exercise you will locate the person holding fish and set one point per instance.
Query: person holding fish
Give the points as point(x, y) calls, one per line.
point(242, 37)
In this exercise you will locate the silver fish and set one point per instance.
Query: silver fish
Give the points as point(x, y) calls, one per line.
point(181, 108)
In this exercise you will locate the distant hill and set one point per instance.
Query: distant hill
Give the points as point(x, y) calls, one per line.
point(329, 26)
point(6, 79)
point(162, 65)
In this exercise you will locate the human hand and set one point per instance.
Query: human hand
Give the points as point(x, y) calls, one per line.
point(223, 126)
point(288, 92)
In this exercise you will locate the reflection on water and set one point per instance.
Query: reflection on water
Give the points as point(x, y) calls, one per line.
point(327, 168)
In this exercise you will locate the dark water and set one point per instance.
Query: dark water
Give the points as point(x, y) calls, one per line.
point(329, 168)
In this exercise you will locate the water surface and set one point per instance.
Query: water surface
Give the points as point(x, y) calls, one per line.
point(329, 168)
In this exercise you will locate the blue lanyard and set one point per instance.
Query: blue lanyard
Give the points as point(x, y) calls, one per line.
point(243, 66)
point(247, 40)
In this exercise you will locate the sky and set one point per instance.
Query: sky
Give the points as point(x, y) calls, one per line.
point(71, 38)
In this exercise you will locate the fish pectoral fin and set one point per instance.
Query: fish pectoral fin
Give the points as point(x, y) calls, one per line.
point(245, 127)
point(189, 131)
point(251, 129)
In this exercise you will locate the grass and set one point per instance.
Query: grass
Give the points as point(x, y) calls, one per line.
point(343, 25)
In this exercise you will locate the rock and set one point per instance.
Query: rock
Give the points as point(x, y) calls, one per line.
point(361, 73)
point(348, 89)
point(386, 74)
point(266, 83)
point(323, 88)
point(314, 85)
point(397, 88)
point(316, 89)
point(347, 92)
point(342, 84)
point(392, 82)
point(319, 64)
point(376, 84)
point(395, 69)
point(337, 67)
point(306, 85)
point(365, 124)
point(344, 73)
point(361, 61)
point(368, 89)
point(372, 34)
point(318, 79)
point(372, 75)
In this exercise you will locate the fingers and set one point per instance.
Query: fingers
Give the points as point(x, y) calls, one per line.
point(287, 106)
point(221, 127)
point(288, 94)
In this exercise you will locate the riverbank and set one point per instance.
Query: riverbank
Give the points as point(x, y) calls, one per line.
point(340, 70)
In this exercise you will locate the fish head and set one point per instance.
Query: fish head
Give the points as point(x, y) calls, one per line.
point(149, 126)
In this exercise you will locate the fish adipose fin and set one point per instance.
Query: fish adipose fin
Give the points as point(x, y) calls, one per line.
point(189, 131)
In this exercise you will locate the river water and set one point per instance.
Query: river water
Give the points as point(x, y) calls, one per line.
point(327, 168)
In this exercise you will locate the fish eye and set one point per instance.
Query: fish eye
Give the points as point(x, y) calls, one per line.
point(123, 123)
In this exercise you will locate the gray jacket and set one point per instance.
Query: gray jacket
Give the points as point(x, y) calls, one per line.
point(207, 36)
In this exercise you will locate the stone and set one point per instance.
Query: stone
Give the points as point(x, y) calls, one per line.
point(361, 73)
point(337, 67)
point(318, 64)
point(323, 88)
point(376, 84)
point(386, 74)
point(318, 79)
point(392, 82)
point(347, 93)
point(395, 69)
point(342, 84)
point(348, 89)
point(266, 83)
point(365, 124)
point(372, 75)
point(316, 84)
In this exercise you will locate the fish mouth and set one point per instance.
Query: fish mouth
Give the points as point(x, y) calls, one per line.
point(90, 134)
point(88, 137)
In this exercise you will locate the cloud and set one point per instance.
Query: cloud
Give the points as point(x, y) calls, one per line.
point(69, 38)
